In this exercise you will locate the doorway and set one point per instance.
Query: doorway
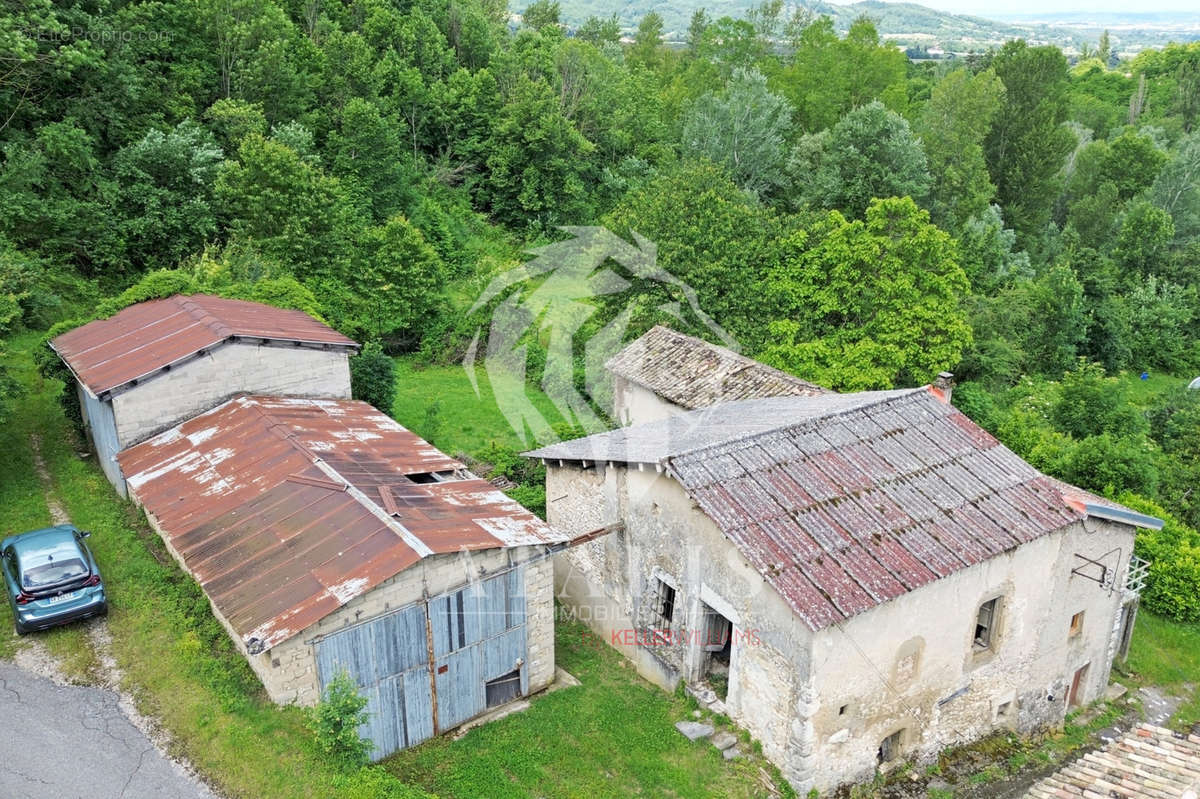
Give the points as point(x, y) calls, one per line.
point(1075, 697)
point(717, 646)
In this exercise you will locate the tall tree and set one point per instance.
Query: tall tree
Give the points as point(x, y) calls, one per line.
point(952, 128)
point(871, 303)
point(870, 153)
point(743, 129)
point(1027, 144)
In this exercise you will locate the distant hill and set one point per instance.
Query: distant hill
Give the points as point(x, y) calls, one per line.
point(910, 24)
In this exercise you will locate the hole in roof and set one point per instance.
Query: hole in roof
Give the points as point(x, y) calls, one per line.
point(446, 476)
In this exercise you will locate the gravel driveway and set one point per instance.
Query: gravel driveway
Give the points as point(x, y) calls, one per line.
point(68, 741)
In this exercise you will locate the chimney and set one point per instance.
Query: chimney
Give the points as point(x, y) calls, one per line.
point(944, 386)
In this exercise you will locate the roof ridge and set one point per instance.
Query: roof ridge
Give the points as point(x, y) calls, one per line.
point(810, 421)
point(746, 360)
point(188, 303)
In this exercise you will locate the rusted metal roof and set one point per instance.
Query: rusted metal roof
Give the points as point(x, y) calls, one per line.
point(693, 373)
point(1149, 762)
point(151, 336)
point(845, 501)
point(285, 509)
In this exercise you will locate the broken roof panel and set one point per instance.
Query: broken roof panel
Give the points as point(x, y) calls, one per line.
point(693, 373)
point(145, 338)
point(285, 509)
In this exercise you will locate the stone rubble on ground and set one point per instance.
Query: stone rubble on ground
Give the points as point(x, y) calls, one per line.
point(694, 730)
point(723, 740)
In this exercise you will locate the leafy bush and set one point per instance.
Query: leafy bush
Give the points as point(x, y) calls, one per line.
point(1173, 580)
point(373, 377)
point(334, 722)
point(1089, 403)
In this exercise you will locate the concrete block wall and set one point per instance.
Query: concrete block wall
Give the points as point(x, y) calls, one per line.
point(203, 383)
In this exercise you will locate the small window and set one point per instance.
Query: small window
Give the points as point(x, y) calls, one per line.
point(842, 710)
point(1003, 710)
point(985, 623)
point(664, 603)
point(1076, 624)
point(889, 748)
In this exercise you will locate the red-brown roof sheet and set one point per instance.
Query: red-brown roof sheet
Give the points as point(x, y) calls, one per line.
point(285, 509)
point(146, 337)
point(846, 511)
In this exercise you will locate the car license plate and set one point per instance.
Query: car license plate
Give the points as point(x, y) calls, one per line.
point(54, 600)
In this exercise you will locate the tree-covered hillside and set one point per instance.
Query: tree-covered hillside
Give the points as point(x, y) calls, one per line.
point(846, 214)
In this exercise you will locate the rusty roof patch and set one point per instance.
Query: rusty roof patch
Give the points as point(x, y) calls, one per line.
point(693, 373)
point(143, 339)
point(285, 509)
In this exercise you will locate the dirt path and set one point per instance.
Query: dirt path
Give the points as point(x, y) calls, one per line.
point(151, 769)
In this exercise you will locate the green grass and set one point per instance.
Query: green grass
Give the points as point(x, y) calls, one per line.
point(439, 404)
point(1143, 392)
point(612, 736)
point(1166, 653)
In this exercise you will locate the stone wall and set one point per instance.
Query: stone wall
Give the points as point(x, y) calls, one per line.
point(610, 584)
point(821, 703)
point(635, 404)
point(203, 383)
point(910, 665)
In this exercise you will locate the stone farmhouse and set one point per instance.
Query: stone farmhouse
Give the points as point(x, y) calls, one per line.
point(872, 575)
point(327, 538)
point(156, 363)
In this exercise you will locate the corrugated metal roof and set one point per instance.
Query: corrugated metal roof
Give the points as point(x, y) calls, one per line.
point(285, 509)
point(693, 373)
point(653, 442)
point(142, 339)
point(1149, 762)
point(844, 501)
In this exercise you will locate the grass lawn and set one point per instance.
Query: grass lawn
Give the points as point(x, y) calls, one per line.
point(611, 736)
point(1166, 653)
point(439, 404)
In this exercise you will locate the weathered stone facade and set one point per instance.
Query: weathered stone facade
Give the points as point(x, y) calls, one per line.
point(823, 702)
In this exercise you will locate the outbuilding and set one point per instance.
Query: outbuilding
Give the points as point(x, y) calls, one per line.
point(158, 362)
point(330, 539)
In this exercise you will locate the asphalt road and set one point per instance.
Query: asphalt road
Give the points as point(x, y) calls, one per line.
point(69, 742)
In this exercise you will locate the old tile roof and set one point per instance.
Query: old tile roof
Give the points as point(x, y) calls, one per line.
point(845, 501)
point(146, 338)
point(692, 373)
point(285, 509)
point(1147, 763)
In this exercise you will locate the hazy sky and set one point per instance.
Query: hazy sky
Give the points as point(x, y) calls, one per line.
point(995, 9)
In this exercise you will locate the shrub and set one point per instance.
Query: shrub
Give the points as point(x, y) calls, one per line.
point(373, 377)
point(334, 722)
point(1173, 580)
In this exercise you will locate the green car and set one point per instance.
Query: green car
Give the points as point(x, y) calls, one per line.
point(51, 578)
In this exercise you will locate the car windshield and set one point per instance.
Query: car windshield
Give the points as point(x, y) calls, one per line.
point(55, 571)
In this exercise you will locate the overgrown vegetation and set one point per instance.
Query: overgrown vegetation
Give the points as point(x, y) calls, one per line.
point(336, 720)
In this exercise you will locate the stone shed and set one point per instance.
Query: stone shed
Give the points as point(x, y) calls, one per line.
point(330, 539)
point(868, 577)
point(156, 363)
point(665, 372)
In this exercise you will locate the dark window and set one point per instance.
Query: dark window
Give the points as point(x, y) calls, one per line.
point(664, 603)
point(985, 623)
point(504, 688)
point(889, 748)
point(1076, 624)
point(842, 710)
